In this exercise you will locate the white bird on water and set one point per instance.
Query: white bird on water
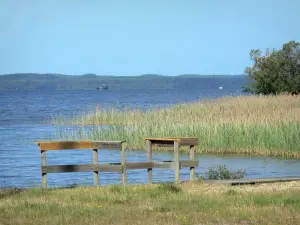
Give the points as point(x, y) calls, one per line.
point(220, 88)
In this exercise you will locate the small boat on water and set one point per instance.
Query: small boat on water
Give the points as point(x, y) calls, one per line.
point(102, 87)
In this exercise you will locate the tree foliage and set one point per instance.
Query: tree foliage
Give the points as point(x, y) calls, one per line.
point(275, 72)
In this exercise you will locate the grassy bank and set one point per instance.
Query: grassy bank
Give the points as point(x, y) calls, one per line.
point(260, 125)
point(190, 203)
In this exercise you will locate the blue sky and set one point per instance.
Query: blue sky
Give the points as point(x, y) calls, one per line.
point(133, 37)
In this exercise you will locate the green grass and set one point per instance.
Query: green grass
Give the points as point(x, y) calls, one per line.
point(264, 125)
point(155, 204)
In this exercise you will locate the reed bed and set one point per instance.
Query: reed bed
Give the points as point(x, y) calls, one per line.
point(259, 125)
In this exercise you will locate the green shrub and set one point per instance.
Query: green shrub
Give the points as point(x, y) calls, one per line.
point(221, 172)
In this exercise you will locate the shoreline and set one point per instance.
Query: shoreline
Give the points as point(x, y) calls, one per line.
point(225, 182)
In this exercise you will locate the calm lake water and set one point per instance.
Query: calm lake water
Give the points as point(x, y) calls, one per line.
point(23, 117)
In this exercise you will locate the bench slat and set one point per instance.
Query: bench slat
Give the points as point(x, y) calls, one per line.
point(112, 167)
point(68, 145)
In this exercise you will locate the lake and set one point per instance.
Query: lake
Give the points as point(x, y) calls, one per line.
point(24, 118)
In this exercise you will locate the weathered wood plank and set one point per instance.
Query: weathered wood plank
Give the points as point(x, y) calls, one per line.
point(108, 146)
point(149, 165)
point(252, 181)
point(44, 175)
point(163, 144)
point(163, 165)
point(166, 142)
point(111, 167)
point(163, 139)
point(149, 153)
point(192, 157)
point(67, 145)
point(188, 141)
point(95, 161)
point(123, 160)
point(176, 162)
point(139, 165)
point(188, 163)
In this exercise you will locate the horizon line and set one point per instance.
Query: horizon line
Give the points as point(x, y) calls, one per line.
point(113, 75)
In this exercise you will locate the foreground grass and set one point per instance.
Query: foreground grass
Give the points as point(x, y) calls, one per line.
point(261, 125)
point(192, 203)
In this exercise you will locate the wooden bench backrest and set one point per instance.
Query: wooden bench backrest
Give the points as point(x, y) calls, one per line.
point(71, 145)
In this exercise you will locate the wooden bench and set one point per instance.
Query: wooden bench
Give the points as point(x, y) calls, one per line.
point(176, 164)
point(95, 167)
point(123, 165)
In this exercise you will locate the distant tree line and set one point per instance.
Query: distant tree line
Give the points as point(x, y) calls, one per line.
point(92, 82)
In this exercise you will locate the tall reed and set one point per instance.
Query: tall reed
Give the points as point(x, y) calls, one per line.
point(262, 125)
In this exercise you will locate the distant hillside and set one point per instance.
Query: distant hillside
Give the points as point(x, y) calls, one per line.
point(29, 81)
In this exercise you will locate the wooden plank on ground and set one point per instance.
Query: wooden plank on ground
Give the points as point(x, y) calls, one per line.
point(252, 181)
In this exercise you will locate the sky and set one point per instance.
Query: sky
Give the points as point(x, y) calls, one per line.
point(134, 37)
